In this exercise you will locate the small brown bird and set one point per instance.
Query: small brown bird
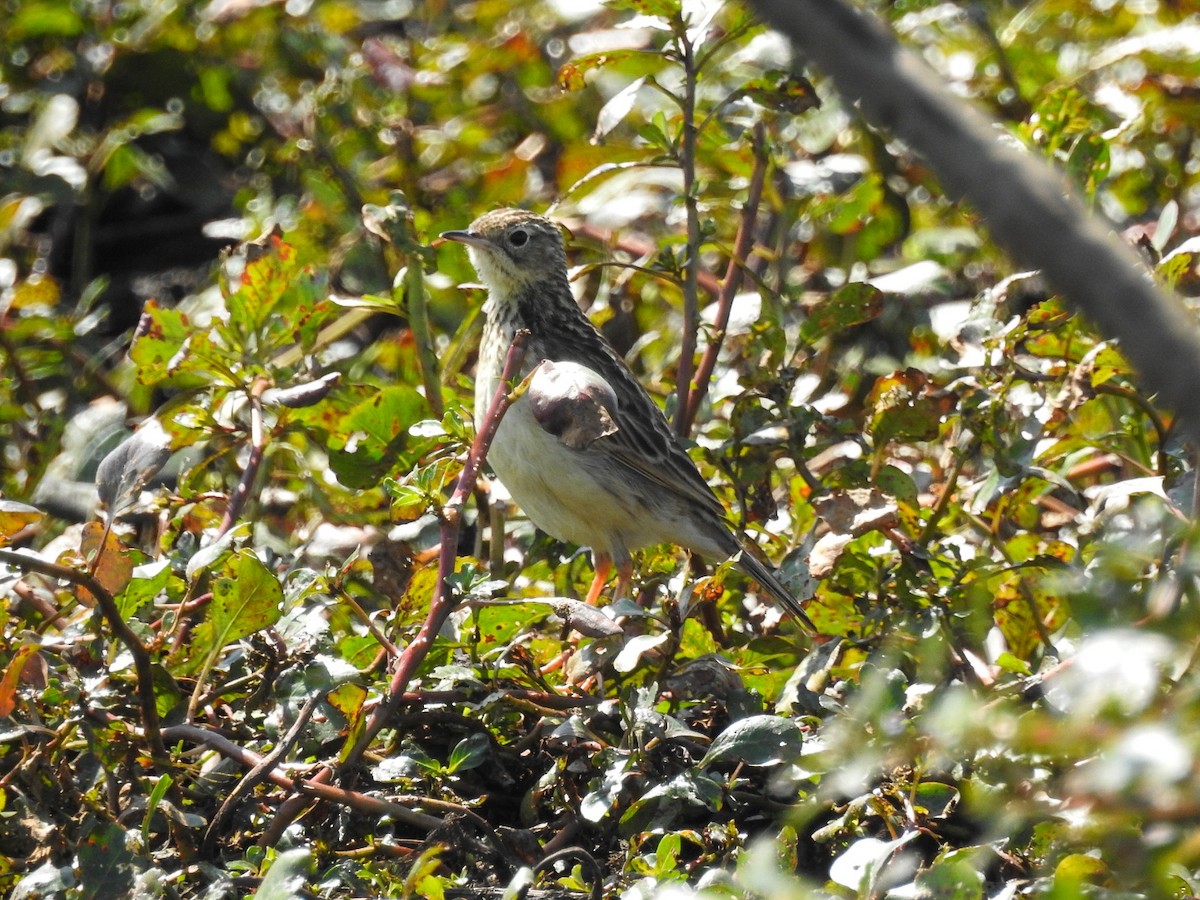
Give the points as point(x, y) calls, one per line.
point(626, 490)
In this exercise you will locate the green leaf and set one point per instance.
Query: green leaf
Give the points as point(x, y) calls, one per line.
point(167, 694)
point(1078, 869)
point(934, 799)
point(950, 880)
point(246, 598)
point(373, 433)
point(161, 335)
point(162, 784)
point(469, 753)
point(668, 803)
point(348, 698)
point(904, 408)
point(756, 741)
point(422, 879)
point(278, 304)
point(668, 9)
point(37, 20)
point(288, 876)
point(264, 282)
point(1174, 266)
point(208, 555)
point(666, 854)
point(148, 580)
point(842, 309)
point(415, 753)
point(106, 867)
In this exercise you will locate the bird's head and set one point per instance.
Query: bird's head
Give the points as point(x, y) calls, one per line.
point(513, 249)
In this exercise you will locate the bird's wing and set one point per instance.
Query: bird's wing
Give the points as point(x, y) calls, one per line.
point(643, 441)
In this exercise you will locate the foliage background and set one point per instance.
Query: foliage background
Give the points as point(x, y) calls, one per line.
point(992, 520)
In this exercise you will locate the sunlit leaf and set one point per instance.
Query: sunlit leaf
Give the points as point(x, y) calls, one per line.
point(110, 560)
point(13, 675)
point(756, 741)
point(616, 109)
point(844, 308)
point(469, 753)
point(368, 438)
point(16, 516)
point(161, 334)
point(288, 876)
point(246, 598)
point(147, 581)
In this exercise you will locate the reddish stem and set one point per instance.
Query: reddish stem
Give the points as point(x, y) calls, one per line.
point(443, 599)
point(258, 443)
point(742, 245)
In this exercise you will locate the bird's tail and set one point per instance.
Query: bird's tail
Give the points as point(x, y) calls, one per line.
point(763, 574)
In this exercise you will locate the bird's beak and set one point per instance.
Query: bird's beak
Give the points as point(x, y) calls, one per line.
point(469, 238)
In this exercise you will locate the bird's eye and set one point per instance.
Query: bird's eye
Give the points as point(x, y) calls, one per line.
point(519, 238)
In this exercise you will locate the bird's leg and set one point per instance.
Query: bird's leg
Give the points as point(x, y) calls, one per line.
point(624, 579)
point(603, 564)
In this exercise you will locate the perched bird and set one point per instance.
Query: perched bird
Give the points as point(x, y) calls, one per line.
point(628, 489)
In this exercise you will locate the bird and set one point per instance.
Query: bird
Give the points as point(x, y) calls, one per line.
point(632, 488)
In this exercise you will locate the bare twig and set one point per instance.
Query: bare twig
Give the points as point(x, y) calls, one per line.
point(309, 787)
point(258, 442)
point(594, 872)
point(123, 633)
point(742, 246)
point(691, 289)
point(635, 246)
point(258, 773)
point(442, 603)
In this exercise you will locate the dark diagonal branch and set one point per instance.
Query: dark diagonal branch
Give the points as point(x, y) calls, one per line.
point(119, 628)
point(1028, 205)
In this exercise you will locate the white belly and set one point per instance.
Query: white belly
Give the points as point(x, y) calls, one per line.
point(559, 488)
point(586, 497)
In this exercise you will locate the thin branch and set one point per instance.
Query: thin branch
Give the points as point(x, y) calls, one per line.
point(259, 773)
point(418, 322)
point(310, 787)
point(376, 632)
point(123, 633)
point(1160, 427)
point(258, 442)
point(732, 282)
point(949, 485)
point(691, 290)
point(442, 603)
